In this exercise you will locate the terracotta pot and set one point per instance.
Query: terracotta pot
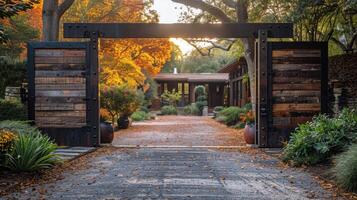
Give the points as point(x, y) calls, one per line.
point(124, 122)
point(249, 134)
point(106, 132)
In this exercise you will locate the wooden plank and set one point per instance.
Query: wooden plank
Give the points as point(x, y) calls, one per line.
point(60, 120)
point(290, 121)
point(62, 73)
point(303, 67)
point(297, 93)
point(60, 80)
point(297, 53)
point(294, 80)
point(290, 60)
point(296, 99)
point(60, 60)
point(60, 107)
point(298, 73)
point(60, 93)
point(42, 100)
point(296, 107)
point(74, 53)
point(287, 113)
point(296, 86)
point(60, 113)
point(80, 86)
point(60, 66)
point(49, 53)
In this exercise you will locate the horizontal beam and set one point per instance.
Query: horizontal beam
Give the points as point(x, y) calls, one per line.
point(146, 30)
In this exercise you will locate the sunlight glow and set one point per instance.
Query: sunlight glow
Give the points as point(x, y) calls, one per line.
point(169, 12)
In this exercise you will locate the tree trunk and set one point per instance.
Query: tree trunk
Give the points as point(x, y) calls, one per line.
point(52, 13)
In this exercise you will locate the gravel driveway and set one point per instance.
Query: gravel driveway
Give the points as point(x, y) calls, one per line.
point(180, 173)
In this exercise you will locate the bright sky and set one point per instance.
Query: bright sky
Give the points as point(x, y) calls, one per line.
point(169, 12)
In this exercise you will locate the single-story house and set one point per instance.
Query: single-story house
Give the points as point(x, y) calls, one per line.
point(228, 87)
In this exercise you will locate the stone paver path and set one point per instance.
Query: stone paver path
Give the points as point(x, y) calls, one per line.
point(180, 173)
point(179, 131)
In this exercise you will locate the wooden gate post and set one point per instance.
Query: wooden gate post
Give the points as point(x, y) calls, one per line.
point(93, 91)
point(263, 88)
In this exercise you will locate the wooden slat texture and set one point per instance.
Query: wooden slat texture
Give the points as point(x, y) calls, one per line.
point(303, 67)
point(61, 87)
point(60, 93)
point(60, 107)
point(60, 114)
point(298, 60)
point(296, 107)
point(296, 93)
point(68, 73)
point(295, 80)
point(60, 100)
point(296, 53)
point(60, 80)
point(298, 99)
point(297, 86)
point(298, 73)
point(60, 53)
point(60, 66)
point(60, 60)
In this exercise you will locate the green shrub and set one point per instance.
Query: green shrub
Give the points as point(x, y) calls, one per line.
point(201, 101)
point(230, 116)
point(218, 108)
point(171, 98)
point(31, 152)
point(12, 74)
point(18, 127)
point(12, 110)
point(346, 169)
point(318, 140)
point(191, 109)
point(140, 116)
point(168, 110)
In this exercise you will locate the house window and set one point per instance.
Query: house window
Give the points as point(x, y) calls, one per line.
point(187, 88)
point(179, 88)
point(165, 87)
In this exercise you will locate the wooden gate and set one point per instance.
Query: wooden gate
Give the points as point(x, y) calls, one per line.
point(63, 93)
point(294, 90)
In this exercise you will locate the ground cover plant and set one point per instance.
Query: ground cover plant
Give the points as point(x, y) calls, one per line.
point(191, 109)
point(140, 116)
point(12, 110)
point(24, 148)
point(168, 110)
point(316, 141)
point(346, 169)
point(232, 116)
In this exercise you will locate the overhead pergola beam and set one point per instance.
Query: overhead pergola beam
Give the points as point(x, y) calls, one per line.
point(147, 30)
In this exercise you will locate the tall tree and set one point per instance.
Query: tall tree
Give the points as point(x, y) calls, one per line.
point(227, 11)
point(52, 12)
point(10, 8)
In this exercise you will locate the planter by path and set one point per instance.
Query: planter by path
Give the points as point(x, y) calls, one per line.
point(106, 132)
point(249, 134)
point(124, 122)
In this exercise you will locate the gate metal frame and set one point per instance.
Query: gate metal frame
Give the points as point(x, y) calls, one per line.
point(265, 83)
point(85, 136)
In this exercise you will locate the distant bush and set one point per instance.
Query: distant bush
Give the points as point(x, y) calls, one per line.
point(12, 110)
point(18, 127)
point(201, 101)
point(346, 169)
point(318, 140)
point(12, 74)
point(168, 110)
point(230, 116)
point(140, 116)
point(191, 110)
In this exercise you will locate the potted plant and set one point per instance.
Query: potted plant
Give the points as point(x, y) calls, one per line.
point(249, 129)
point(120, 102)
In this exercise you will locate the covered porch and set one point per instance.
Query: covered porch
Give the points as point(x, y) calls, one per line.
point(216, 85)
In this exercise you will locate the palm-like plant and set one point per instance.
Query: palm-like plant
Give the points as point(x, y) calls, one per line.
point(32, 152)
